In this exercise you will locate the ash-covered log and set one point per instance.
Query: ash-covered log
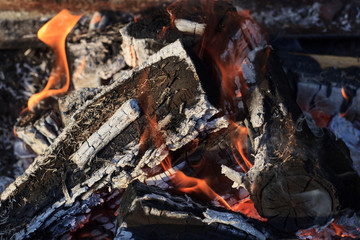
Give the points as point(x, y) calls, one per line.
point(150, 212)
point(77, 164)
point(160, 26)
point(298, 179)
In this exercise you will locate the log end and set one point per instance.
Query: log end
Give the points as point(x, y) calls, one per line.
point(295, 202)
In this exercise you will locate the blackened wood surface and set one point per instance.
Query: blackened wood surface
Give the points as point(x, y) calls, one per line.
point(298, 180)
point(151, 212)
point(54, 182)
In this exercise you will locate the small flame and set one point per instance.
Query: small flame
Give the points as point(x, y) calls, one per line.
point(339, 231)
point(54, 34)
point(345, 96)
point(247, 207)
point(239, 140)
point(231, 51)
point(181, 181)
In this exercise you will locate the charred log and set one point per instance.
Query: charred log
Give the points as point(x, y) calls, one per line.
point(74, 167)
point(294, 170)
point(151, 212)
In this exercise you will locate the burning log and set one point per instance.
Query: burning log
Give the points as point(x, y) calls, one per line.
point(161, 26)
point(63, 177)
point(149, 211)
point(293, 169)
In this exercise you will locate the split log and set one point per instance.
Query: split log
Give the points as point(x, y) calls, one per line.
point(298, 180)
point(63, 178)
point(147, 211)
point(158, 27)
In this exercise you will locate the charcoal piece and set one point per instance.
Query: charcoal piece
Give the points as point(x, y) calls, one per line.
point(40, 134)
point(62, 176)
point(69, 103)
point(151, 212)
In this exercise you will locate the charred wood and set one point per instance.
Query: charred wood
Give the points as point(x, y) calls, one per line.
point(293, 169)
point(148, 211)
point(62, 177)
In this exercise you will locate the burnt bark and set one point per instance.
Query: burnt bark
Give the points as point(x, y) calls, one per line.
point(101, 145)
point(298, 180)
point(148, 212)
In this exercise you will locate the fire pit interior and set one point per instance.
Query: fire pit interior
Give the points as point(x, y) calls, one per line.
point(192, 119)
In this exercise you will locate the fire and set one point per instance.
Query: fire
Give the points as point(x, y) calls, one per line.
point(239, 140)
point(54, 34)
point(231, 50)
point(246, 206)
point(345, 96)
point(327, 233)
point(181, 181)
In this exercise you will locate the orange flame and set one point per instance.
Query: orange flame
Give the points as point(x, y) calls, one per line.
point(327, 233)
point(181, 181)
point(232, 48)
point(239, 140)
point(345, 96)
point(339, 231)
point(247, 207)
point(54, 34)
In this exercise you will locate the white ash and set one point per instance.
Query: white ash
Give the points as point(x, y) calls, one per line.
point(95, 24)
point(187, 26)
point(160, 180)
point(292, 16)
point(236, 177)
point(256, 110)
point(196, 121)
point(346, 131)
point(125, 115)
point(234, 220)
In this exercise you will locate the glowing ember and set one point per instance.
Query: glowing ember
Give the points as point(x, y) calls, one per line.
point(133, 57)
point(246, 206)
point(240, 35)
point(181, 181)
point(346, 97)
point(327, 233)
point(54, 34)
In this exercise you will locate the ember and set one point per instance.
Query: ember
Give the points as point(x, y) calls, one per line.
point(178, 121)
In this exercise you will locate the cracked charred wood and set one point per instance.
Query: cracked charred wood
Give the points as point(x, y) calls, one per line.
point(158, 27)
point(147, 211)
point(298, 179)
point(78, 163)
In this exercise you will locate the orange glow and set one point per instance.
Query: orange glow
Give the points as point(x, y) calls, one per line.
point(327, 233)
point(339, 231)
point(97, 18)
point(345, 96)
point(15, 132)
point(133, 57)
point(232, 48)
point(54, 34)
point(247, 207)
point(239, 140)
point(82, 66)
point(189, 185)
point(162, 33)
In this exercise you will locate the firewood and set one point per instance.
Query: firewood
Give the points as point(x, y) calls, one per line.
point(149, 211)
point(298, 179)
point(63, 177)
